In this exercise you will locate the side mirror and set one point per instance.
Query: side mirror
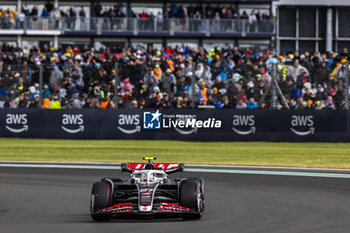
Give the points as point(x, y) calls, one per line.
point(132, 181)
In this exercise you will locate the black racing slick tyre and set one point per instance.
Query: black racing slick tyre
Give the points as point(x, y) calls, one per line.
point(100, 199)
point(200, 180)
point(191, 197)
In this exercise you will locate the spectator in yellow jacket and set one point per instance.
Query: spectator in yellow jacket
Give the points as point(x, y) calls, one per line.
point(55, 104)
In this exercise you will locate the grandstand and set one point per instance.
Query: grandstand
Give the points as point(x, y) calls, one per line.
point(58, 54)
point(137, 22)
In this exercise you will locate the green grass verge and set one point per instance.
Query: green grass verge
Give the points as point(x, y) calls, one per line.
point(322, 155)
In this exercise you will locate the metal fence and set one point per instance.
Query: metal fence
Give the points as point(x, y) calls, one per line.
point(169, 25)
point(30, 23)
point(108, 24)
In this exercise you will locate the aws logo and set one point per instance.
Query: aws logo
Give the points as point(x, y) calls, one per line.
point(243, 124)
point(74, 121)
point(129, 123)
point(191, 130)
point(302, 122)
point(15, 120)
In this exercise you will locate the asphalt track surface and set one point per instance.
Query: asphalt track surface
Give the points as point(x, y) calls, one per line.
point(35, 200)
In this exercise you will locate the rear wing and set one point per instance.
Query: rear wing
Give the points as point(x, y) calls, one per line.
point(168, 168)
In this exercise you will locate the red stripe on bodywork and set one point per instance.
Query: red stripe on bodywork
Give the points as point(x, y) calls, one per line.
point(171, 207)
point(172, 204)
point(121, 204)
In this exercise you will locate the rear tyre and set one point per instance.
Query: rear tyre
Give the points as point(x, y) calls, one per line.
point(191, 197)
point(100, 199)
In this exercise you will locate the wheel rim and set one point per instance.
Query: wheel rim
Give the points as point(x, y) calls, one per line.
point(92, 203)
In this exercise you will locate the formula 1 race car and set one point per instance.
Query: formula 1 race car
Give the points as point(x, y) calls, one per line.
point(145, 189)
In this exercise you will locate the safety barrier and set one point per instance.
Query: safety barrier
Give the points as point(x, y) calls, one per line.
point(181, 124)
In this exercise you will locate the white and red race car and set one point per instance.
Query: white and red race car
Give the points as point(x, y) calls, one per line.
point(147, 190)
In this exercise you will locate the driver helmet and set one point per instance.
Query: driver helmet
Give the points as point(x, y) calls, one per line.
point(143, 177)
point(151, 178)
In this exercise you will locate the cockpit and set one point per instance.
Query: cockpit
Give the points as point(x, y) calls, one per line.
point(148, 176)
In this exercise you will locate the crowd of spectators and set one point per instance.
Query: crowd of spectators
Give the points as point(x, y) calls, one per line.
point(26, 17)
point(74, 77)
point(191, 18)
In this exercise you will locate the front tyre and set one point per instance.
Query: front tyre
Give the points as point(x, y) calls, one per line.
point(200, 180)
point(191, 197)
point(100, 199)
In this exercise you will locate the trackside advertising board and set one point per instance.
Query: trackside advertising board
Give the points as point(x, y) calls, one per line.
point(181, 124)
